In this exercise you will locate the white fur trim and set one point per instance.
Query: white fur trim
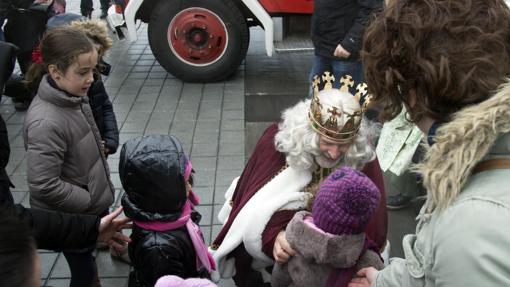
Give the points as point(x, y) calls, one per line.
point(282, 192)
point(226, 209)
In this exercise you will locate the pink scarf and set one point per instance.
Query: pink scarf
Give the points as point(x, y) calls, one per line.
point(203, 257)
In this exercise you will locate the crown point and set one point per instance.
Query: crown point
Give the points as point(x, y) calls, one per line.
point(362, 91)
point(329, 79)
point(347, 81)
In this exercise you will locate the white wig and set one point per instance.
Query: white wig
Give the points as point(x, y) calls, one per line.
point(300, 142)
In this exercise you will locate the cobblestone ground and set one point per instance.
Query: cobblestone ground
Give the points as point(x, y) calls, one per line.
point(208, 118)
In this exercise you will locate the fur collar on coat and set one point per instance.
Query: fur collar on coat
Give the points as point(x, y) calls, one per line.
point(461, 144)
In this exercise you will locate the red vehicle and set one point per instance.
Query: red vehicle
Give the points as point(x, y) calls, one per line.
point(202, 40)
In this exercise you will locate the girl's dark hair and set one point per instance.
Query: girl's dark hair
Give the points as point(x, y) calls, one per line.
point(453, 53)
point(17, 250)
point(60, 46)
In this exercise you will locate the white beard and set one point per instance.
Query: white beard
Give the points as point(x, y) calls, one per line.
point(324, 162)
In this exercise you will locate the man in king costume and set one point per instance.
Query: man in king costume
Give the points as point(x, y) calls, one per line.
point(281, 177)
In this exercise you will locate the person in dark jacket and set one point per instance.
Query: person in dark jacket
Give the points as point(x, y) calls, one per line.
point(100, 103)
point(166, 240)
point(337, 33)
point(5, 150)
point(7, 61)
point(22, 230)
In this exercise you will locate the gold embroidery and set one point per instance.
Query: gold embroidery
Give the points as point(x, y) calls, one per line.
point(318, 177)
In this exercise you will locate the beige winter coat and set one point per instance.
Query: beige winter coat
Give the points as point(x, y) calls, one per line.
point(466, 243)
point(66, 170)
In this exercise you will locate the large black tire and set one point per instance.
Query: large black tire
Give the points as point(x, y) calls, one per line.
point(190, 69)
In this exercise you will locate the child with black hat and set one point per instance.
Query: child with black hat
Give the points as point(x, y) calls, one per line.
point(166, 240)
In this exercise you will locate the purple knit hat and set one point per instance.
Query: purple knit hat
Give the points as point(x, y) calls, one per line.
point(345, 202)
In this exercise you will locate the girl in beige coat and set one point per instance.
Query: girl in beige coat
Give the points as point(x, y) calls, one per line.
point(448, 62)
point(67, 170)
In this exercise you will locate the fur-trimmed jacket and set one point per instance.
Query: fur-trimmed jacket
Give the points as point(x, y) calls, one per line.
point(466, 243)
point(319, 254)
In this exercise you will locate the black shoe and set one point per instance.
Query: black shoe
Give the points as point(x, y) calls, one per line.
point(398, 201)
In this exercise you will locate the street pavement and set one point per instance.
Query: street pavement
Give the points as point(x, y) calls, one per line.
point(208, 118)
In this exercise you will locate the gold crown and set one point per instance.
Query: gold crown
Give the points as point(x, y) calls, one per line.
point(330, 128)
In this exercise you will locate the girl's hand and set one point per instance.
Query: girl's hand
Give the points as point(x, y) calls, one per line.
point(282, 250)
point(366, 277)
point(104, 148)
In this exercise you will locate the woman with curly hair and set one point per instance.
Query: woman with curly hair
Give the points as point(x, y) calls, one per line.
point(448, 63)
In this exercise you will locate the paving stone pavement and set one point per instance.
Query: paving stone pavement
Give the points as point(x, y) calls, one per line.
point(207, 118)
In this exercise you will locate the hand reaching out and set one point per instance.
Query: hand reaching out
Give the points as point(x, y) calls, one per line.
point(282, 250)
point(110, 230)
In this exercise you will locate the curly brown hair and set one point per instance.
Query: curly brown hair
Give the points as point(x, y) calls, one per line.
point(452, 53)
point(97, 31)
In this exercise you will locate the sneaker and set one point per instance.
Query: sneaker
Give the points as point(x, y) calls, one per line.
point(398, 201)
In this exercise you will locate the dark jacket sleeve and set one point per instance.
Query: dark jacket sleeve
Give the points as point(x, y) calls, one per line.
point(352, 41)
point(5, 182)
point(5, 149)
point(60, 231)
point(110, 129)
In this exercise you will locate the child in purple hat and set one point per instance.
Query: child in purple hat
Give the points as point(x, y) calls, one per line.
point(330, 242)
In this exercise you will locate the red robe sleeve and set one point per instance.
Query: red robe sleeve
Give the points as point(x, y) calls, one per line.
point(276, 223)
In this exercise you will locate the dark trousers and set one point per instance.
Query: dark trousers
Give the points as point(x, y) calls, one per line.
point(337, 68)
point(87, 6)
point(5, 193)
point(82, 266)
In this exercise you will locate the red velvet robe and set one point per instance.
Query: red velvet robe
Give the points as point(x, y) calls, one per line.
point(265, 163)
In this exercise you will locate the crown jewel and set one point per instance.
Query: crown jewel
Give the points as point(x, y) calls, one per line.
point(335, 121)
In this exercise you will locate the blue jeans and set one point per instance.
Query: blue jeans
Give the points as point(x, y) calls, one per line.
point(338, 69)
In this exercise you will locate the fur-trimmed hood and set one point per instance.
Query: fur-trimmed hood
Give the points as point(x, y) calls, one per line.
point(475, 133)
